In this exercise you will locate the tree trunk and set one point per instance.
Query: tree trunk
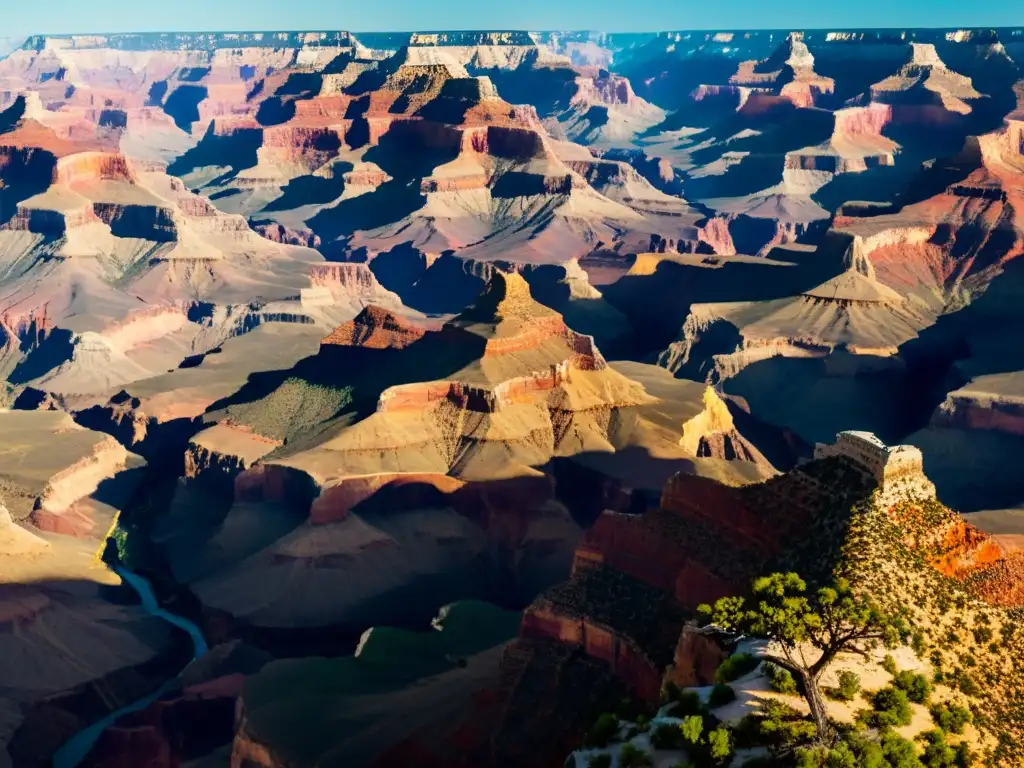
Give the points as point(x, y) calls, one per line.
point(812, 692)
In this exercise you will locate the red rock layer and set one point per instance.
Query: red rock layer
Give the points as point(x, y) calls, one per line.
point(171, 730)
point(623, 656)
point(374, 328)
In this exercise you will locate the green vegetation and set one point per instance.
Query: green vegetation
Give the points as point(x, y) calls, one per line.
point(951, 717)
point(916, 686)
point(720, 746)
point(602, 731)
point(775, 725)
point(721, 695)
point(649, 616)
point(686, 703)
point(293, 409)
point(938, 753)
point(643, 723)
point(600, 761)
point(691, 729)
point(848, 688)
point(832, 620)
point(890, 708)
point(898, 752)
point(631, 756)
point(735, 667)
point(665, 736)
point(714, 750)
point(780, 679)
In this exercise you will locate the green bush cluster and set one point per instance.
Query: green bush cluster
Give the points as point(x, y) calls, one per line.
point(684, 703)
point(890, 708)
point(714, 749)
point(666, 736)
point(631, 756)
point(604, 729)
point(735, 667)
point(950, 717)
point(721, 695)
point(848, 688)
point(938, 753)
point(775, 724)
point(889, 664)
point(780, 679)
point(915, 685)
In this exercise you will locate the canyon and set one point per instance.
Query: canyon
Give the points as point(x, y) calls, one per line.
point(379, 398)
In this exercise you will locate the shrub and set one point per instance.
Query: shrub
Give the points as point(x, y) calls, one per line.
point(853, 751)
point(721, 695)
point(643, 723)
point(600, 761)
point(780, 725)
point(965, 758)
point(780, 679)
point(691, 729)
point(889, 664)
point(666, 736)
point(916, 686)
point(848, 688)
point(720, 744)
point(938, 753)
point(966, 683)
point(839, 756)
point(736, 666)
point(687, 703)
point(951, 717)
point(891, 708)
point(898, 752)
point(631, 756)
point(918, 644)
point(604, 729)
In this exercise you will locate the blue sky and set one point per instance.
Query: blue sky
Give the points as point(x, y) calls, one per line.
point(22, 17)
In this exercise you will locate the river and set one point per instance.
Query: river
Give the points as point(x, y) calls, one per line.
point(77, 747)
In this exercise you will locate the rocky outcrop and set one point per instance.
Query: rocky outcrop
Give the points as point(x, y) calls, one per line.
point(697, 656)
point(224, 450)
point(56, 507)
point(374, 328)
point(969, 410)
point(621, 653)
point(279, 233)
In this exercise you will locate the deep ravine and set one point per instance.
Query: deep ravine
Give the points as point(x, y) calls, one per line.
point(78, 746)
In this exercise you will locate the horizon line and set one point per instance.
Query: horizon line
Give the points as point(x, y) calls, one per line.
point(982, 27)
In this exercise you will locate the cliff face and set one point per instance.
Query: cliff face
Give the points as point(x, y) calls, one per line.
point(67, 464)
point(374, 328)
point(56, 511)
point(966, 410)
point(626, 660)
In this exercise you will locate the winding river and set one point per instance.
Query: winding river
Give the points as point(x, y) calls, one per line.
point(77, 747)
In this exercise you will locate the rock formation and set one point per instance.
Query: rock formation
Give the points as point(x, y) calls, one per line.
point(331, 337)
point(75, 647)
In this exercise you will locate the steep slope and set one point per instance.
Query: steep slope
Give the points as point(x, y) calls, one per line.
point(113, 272)
point(413, 463)
point(637, 578)
point(413, 152)
point(73, 645)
